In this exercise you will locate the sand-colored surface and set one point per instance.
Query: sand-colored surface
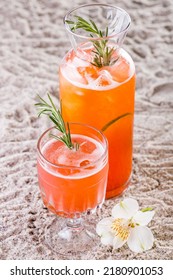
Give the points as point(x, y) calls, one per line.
point(32, 43)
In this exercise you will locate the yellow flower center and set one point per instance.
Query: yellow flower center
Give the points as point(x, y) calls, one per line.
point(120, 227)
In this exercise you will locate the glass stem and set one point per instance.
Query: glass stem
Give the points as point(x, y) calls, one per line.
point(75, 224)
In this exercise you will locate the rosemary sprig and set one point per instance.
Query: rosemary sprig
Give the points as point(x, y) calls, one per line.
point(55, 115)
point(102, 53)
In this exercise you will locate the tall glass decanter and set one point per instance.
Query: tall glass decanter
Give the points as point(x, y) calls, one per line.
point(97, 83)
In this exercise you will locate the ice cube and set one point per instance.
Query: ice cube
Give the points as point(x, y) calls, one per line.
point(79, 62)
point(87, 147)
point(73, 75)
point(84, 52)
point(66, 156)
point(120, 71)
point(89, 73)
point(104, 79)
point(84, 163)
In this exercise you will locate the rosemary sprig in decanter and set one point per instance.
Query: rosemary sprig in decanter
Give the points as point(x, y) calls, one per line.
point(103, 54)
point(55, 115)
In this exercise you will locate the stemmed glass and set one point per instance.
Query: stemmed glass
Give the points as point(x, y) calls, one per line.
point(72, 184)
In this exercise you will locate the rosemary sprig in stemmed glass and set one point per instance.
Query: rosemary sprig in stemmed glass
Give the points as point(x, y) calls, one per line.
point(55, 115)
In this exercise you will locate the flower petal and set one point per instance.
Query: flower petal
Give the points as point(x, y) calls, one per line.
point(143, 218)
point(107, 238)
point(104, 226)
point(125, 209)
point(140, 239)
point(118, 242)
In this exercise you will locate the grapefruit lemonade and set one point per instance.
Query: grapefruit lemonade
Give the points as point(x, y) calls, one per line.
point(72, 182)
point(72, 163)
point(101, 93)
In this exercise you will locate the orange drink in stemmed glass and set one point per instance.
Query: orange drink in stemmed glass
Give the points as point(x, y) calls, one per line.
point(72, 184)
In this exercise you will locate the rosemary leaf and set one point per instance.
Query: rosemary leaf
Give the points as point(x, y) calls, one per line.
point(55, 115)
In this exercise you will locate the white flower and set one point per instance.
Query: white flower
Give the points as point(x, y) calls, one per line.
point(127, 224)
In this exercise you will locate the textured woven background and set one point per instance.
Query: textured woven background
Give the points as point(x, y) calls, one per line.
point(32, 43)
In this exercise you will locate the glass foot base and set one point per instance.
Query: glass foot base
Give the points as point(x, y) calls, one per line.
point(66, 240)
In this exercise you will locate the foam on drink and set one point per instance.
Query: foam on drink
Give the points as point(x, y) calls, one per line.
point(82, 161)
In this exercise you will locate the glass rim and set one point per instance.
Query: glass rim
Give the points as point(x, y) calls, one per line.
point(95, 38)
point(70, 166)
